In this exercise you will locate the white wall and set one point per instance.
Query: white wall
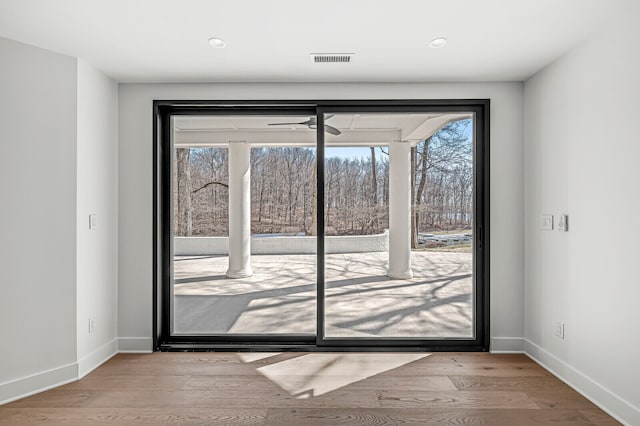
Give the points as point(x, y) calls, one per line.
point(97, 186)
point(135, 187)
point(38, 218)
point(582, 154)
point(58, 130)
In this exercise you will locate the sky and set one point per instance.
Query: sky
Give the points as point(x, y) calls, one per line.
point(351, 152)
point(356, 153)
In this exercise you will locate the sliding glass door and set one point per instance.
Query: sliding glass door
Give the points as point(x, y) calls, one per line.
point(332, 224)
point(398, 229)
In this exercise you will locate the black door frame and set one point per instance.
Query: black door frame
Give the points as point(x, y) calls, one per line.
point(163, 110)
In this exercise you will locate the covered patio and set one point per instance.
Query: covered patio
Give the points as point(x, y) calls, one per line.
point(239, 134)
point(375, 285)
point(361, 300)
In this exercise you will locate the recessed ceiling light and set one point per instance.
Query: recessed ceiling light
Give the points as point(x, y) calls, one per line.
point(217, 42)
point(438, 42)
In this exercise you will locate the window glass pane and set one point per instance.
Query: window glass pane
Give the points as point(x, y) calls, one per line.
point(398, 224)
point(244, 225)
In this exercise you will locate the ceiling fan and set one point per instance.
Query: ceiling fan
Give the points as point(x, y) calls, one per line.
point(312, 123)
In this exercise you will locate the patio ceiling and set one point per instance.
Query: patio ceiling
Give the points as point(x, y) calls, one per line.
point(356, 129)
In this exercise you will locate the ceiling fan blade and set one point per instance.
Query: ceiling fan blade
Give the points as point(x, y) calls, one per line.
point(312, 122)
point(286, 124)
point(332, 130)
point(314, 119)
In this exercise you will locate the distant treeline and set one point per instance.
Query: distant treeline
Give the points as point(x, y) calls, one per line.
point(356, 190)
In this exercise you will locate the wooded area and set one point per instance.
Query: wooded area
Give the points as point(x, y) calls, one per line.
point(356, 190)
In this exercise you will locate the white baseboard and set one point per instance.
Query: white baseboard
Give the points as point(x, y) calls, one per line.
point(135, 345)
point(39, 382)
point(615, 406)
point(49, 379)
point(506, 345)
point(95, 359)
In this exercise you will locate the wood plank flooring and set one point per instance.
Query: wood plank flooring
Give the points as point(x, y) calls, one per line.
point(311, 389)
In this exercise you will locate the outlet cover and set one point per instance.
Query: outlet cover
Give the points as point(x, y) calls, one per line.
point(546, 224)
point(559, 330)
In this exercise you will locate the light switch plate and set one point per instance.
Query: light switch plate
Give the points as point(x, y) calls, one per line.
point(563, 223)
point(93, 221)
point(546, 224)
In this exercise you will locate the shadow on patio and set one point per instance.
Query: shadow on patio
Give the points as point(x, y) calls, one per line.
point(361, 301)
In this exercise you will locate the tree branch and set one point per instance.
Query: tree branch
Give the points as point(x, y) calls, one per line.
point(211, 183)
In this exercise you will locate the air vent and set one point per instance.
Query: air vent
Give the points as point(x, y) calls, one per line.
point(331, 58)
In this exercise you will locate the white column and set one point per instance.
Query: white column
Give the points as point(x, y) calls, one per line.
point(400, 210)
point(239, 210)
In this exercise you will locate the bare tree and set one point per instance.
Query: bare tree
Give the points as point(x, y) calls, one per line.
point(283, 189)
point(419, 160)
point(414, 225)
point(374, 178)
point(184, 189)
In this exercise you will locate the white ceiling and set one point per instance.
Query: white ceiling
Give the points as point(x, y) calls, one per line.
point(270, 40)
point(356, 129)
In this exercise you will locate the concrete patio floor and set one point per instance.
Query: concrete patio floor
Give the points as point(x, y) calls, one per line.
point(361, 301)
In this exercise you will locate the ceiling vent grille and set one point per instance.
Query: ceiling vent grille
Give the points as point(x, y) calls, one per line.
point(331, 58)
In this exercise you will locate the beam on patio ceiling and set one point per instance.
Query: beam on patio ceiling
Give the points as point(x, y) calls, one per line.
point(430, 126)
point(270, 138)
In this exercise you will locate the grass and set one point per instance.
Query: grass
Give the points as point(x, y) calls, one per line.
point(453, 231)
point(458, 248)
point(462, 248)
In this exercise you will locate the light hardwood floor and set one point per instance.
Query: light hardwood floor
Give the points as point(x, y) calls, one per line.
point(311, 389)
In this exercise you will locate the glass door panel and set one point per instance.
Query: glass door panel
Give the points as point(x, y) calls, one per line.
point(244, 240)
point(398, 215)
